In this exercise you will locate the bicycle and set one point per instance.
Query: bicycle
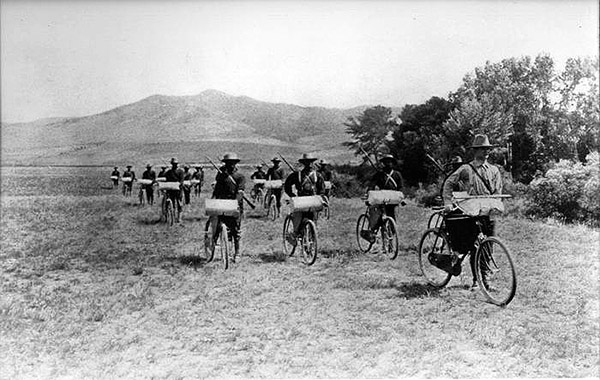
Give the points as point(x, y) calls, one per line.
point(127, 185)
point(257, 193)
point(142, 195)
point(217, 208)
point(386, 224)
point(270, 200)
point(169, 211)
point(197, 185)
point(494, 268)
point(307, 236)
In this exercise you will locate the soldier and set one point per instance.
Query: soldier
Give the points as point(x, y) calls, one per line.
point(128, 174)
point(175, 174)
point(198, 176)
point(307, 182)
point(163, 171)
point(117, 174)
point(151, 175)
point(187, 189)
point(230, 184)
point(258, 174)
point(276, 173)
point(327, 173)
point(385, 179)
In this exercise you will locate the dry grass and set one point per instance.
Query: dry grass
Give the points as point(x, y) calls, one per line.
point(92, 286)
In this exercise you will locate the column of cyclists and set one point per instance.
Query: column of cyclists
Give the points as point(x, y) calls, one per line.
point(461, 228)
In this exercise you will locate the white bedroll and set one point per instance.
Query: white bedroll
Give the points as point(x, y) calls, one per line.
point(478, 205)
point(114, 177)
point(126, 179)
point(385, 197)
point(327, 185)
point(258, 181)
point(161, 179)
point(195, 181)
point(168, 185)
point(145, 181)
point(221, 207)
point(187, 183)
point(308, 203)
point(274, 184)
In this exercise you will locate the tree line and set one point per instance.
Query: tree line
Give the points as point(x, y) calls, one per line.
point(536, 114)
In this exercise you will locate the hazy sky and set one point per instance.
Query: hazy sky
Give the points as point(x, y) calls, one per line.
point(68, 58)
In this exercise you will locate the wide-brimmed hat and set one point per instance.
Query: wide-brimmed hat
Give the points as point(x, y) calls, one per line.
point(324, 162)
point(259, 166)
point(129, 166)
point(163, 167)
point(148, 165)
point(230, 157)
point(186, 166)
point(307, 157)
point(386, 157)
point(481, 141)
point(174, 160)
point(198, 167)
point(275, 159)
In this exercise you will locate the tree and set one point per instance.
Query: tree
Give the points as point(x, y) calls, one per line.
point(370, 130)
point(420, 132)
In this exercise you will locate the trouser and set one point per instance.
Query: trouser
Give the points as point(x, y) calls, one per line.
point(149, 193)
point(297, 217)
point(375, 215)
point(488, 227)
point(115, 183)
point(277, 193)
point(186, 194)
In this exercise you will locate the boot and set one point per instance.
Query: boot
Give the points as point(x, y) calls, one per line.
point(236, 250)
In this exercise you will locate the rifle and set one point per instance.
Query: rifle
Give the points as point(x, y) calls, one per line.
point(219, 170)
point(368, 158)
point(264, 163)
point(437, 164)
point(288, 164)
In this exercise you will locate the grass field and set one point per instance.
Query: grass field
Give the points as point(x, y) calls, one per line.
point(94, 286)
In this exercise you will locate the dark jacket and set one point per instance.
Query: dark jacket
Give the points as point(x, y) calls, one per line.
point(228, 184)
point(307, 182)
point(275, 174)
point(391, 180)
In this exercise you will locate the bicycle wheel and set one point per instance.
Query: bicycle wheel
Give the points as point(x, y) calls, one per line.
point(289, 241)
point(327, 209)
point(209, 243)
point(272, 210)
point(142, 197)
point(309, 242)
point(169, 214)
point(389, 238)
point(434, 249)
point(435, 220)
point(363, 225)
point(224, 245)
point(495, 271)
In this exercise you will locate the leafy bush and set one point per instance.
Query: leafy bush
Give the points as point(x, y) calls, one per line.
point(569, 192)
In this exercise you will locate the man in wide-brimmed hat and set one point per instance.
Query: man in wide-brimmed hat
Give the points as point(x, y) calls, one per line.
point(115, 175)
point(151, 175)
point(230, 184)
point(327, 174)
point(128, 173)
point(477, 177)
point(275, 173)
point(385, 179)
point(187, 186)
point(175, 174)
point(307, 181)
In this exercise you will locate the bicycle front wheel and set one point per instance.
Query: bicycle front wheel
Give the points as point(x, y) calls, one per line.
point(309, 242)
point(363, 225)
point(435, 220)
point(434, 251)
point(272, 210)
point(169, 213)
point(141, 197)
point(209, 242)
point(389, 238)
point(495, 271)
point(289, 240)
point(224, 245)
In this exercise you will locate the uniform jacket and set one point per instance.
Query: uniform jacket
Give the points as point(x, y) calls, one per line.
point(228, 183)
point(307, 182)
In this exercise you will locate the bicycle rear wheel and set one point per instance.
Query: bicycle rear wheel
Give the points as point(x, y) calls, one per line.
point(289, 240)
point(224, 246)
point(495, 271)
point(309, 242)
point(362, 224)
point(389, 238)
point(209, 242)
point(433, 251)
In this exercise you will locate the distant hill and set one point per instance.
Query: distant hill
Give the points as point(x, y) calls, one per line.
point(188, 127)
